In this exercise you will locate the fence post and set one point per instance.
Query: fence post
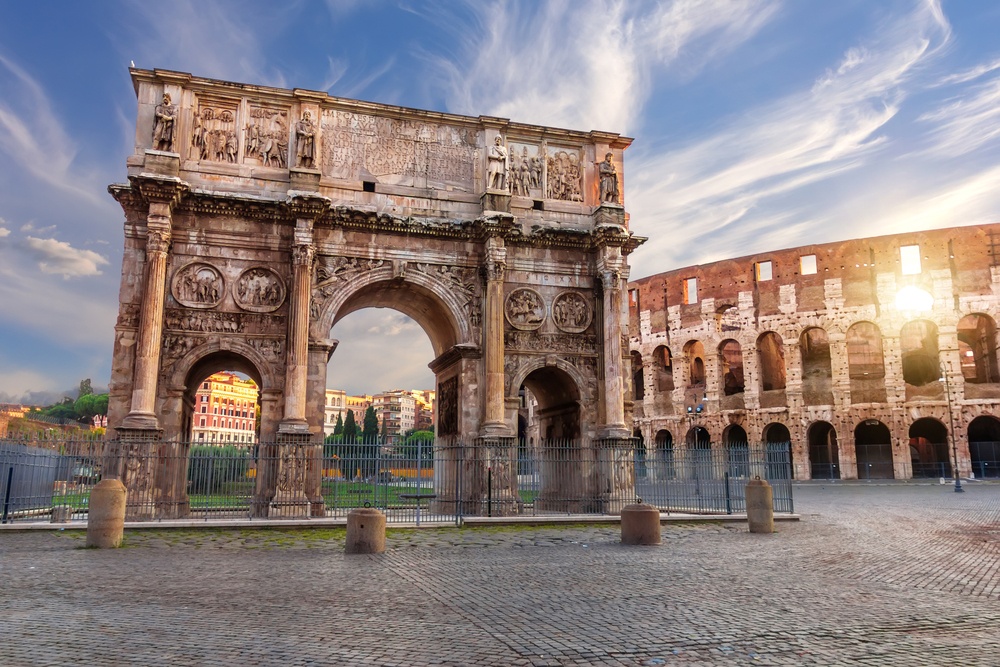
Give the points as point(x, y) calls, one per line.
point(729, 502)
point(6, 495)
point(489, 490)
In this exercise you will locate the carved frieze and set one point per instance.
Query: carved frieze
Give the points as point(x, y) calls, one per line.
point(511, 365)
point(571, 312)
point(213, 321)
point(335, 269)
point(128, 315)
point(363, 147)
point(532, 341)
point(259, 290)
point(463, 281)
point(525, 170)
point(214, 136)
point(564, 174)
point(525, 309)
point(265, 137)
point(269, 348)
point(175, 346)
point(198, 285)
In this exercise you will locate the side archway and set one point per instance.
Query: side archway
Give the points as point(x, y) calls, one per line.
point(929, 448)
point(873, 450)
point(984, 446)
point(824, 454)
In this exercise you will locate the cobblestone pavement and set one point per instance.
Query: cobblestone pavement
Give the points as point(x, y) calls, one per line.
point(872, 575)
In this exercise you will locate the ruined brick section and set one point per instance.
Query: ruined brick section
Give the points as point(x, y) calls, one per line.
point(829, 347)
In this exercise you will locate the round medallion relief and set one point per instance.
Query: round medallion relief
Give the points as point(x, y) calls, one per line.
point(198, 285)
point(525, 309)
point(571, 312)
point(259, 290)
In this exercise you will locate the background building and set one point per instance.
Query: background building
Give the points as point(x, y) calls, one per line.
point(865, 356)
point(225, 410)
point(396, 411)
point(334, 406)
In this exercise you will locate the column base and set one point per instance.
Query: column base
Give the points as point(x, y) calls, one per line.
point(140, 421)
point(616, 474)
point(496, 200)
point(296, 428)
point(499, 494)
point(303, 179)
point(133, 460)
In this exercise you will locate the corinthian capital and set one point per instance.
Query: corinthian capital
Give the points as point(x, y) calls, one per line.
point(610, 279)
point(157, 241)
point(303, 253)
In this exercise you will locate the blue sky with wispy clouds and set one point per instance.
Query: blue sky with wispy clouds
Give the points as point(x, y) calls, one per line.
point(758, 124)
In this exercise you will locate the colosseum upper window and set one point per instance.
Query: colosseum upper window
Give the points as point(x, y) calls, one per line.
point(909, 258)
point(690, 290)
point(807, 265)
point(764, 270)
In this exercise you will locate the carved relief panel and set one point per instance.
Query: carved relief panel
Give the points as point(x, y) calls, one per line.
point(265, 137)
point(564, 174)
point(404, 152)
point(214, 136)
point(198, 285)
point(448, 407)
point(259, 290)
point(526, 170)
point(571, 312)
point(525, 309)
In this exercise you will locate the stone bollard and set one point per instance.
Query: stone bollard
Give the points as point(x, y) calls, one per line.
point(760, 506)
point(106, 515)
point(640, 525)
point(365, 531)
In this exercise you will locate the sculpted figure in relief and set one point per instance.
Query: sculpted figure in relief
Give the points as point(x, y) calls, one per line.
point(525, 309)
point(609, 180)
point(496, 175)
point(259, 290)
point(305, 141)
point(163, 126)
point(563, 180)
point(571, 312)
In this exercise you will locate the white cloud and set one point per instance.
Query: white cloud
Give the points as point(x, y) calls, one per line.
point(751, 174)
point(4, 232)
point(60, 258)
point(518, 61)
point(33, 137)
point(968, 121)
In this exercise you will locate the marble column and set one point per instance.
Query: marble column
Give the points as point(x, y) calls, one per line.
point(496, 264)
point(297, 360)
point(142, 413)
point(614, 400)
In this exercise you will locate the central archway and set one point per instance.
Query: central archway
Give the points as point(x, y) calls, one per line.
point(873, 450)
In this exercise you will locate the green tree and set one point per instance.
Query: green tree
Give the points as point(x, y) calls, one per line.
point(369, 431)
point(89, 405)
point(350, 431)
point(85, 388)
point(369, 443)
point(421, 442)
point(338, 428)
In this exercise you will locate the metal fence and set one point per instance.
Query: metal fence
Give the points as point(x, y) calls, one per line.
point(419, 482)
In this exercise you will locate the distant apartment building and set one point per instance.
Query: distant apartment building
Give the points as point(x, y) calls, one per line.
point(396, 411)
point(425, 400)
point(225, 410)
point(335, 406)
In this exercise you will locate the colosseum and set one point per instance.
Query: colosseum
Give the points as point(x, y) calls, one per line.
point(872, 358)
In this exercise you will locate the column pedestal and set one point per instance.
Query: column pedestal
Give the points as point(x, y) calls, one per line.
point(498, 455)
point(293, 458)
point(616, 474)
point(133, 458)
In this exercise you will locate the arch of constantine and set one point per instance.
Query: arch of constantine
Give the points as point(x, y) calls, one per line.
point(256, 218)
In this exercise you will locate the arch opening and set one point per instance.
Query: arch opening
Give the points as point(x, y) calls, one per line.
point(873, 450)
point(984, 446)
point(929, 448)
point(977, 353)
point(664, 368)
point(737, 450)
point(865, 363)
point(222, 401)
point(638, 380)
point(664, 453)
point(771, 365)
point(918, 341)
point(817, 370)
point(824, 454)
point(778, 444)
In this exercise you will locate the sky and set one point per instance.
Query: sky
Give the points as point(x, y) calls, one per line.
point(758, 125)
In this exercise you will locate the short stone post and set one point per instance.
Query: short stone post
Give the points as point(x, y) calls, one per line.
point(365, 531)
point(760, 506)
point(106, 515)
point(62, 513)
point(640, 524)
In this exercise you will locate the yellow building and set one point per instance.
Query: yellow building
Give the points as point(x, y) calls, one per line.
point(225, 410)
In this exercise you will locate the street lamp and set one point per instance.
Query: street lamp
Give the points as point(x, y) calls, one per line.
point(951, 422)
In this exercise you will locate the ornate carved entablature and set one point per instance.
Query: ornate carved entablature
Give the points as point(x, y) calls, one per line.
point(212, 321)
point(532, 341)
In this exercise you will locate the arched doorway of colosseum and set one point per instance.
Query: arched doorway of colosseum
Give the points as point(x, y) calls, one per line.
point(977, 351)
point(638, 379)
point(698, 453)
point(865, 363)
point(929, 448)
point(918, 342)
point(984, 446)
point(771, 369)
point(873, 450)
point(737, 444)
point(731, 372)
point(694, 390)
point(778, 445)
point(663, 380)
point(664, 454)
point(817, 371)
point(824, 453)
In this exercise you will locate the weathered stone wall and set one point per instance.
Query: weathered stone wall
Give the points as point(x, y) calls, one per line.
point(857, 281)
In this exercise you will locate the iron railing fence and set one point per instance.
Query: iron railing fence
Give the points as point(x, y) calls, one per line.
point(713, 480)
point(418, 482)
point(985, 459)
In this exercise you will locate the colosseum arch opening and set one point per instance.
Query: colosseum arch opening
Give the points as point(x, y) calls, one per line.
point(977, 352)
point(918, 342)
point(824, 453)
point(929, 456)
point(984, 446)
point(873, 450)
point(771, 368)
point(817, 371)
point(865, 363)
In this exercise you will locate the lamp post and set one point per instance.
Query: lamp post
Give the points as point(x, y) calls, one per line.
point(951, 422)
